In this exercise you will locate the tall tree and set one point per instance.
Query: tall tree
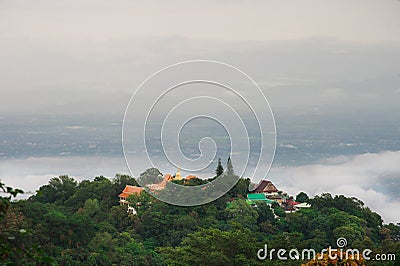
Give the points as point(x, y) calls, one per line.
point(220, 170)
point(302, 197)
point(151, 176)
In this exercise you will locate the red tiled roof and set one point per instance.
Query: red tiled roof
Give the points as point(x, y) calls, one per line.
point(265, 186)
point(293, 203)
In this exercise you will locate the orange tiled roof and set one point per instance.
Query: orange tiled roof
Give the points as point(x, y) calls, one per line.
point(125, 195)
point(168, 177)
point(129, 190)
point(190, 177)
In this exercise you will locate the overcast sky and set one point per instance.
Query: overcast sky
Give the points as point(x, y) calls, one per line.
point(93, 21)
point(85, 54)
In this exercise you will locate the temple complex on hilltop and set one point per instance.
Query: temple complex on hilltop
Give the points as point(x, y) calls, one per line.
point(168, 178)
point(266, 192)
point(129, 190)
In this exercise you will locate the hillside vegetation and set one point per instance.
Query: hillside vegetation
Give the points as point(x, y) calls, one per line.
point(81, 223)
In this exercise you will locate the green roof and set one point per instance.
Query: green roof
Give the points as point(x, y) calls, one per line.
point(258, 197)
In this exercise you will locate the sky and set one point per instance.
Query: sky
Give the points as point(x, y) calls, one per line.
point(97, 21)
point(56, 54)
point(86, 58)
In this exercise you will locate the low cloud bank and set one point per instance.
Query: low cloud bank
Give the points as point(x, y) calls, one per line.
point(372, 177)
point(29, 174)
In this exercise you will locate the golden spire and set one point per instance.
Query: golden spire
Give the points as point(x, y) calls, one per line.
point(178, 175)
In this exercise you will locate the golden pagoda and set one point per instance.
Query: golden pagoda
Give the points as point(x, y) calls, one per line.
point(178, 175)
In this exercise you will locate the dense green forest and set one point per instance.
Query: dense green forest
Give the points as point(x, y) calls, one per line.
point(81, 223)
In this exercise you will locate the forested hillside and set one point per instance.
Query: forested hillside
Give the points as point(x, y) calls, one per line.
point(81, 223)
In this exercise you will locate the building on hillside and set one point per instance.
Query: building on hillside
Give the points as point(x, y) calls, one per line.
point(289, 206)
point(128, 190)
point(162, 184)
point(302, 206)
point(265, 186)
point(190, 177)
point(131, 210)
point(169, 178)
point(253, 198)
point(280, 197)
point(187, 179)
point(269, 190)
point(293, 206)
